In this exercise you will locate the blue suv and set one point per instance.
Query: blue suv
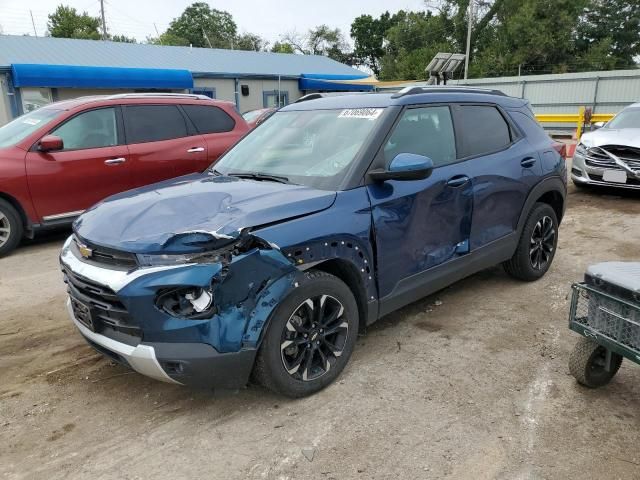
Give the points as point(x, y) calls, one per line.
point(330, 215)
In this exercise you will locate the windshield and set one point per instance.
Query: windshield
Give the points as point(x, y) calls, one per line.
point(312, 147)
point(629, 118)
point(21, 127)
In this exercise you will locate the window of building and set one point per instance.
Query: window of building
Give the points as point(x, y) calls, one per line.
point(34, 98)
point(424, 131)
point(208, 119)
point(208, 92)
point(92, 129)
point(152, 123)
point(483, 129)
point(275, 98)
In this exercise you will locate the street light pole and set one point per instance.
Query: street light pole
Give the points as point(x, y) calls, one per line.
point(469, 24)
point(104, 23)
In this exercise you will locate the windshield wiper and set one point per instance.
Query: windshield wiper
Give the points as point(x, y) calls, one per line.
point(259, 176)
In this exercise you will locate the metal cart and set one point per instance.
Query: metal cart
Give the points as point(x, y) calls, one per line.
point(605, 310)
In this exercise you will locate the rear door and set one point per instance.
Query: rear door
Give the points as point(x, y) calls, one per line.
point(503, 166)
point(421, 224)
point(218, 128)
point(162, 143)
point(92, 165)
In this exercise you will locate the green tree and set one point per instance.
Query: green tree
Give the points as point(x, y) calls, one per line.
point(201, 26)
point(122, 39)
point(66, 22)
point(282, 47)
point(250, 41)
point(321, 40)
point(369, 35)
point(607, 35)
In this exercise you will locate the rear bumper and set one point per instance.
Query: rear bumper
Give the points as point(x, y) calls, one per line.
point(194, 364)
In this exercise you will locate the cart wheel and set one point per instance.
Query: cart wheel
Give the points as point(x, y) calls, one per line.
point(587, 363)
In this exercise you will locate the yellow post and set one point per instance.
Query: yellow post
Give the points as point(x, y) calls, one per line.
point(580, 123)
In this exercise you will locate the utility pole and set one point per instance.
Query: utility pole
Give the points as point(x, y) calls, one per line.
point(35, 32)
point(104, 23)
point(469, 24)
point(206, 38)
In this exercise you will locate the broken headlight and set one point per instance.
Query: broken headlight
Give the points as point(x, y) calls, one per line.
point(581, 149)
point(178, 259)
point(186, 302)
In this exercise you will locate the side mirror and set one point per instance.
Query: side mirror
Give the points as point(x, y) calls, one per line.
point(405, 166)
point(50, 143)
point(597, 125)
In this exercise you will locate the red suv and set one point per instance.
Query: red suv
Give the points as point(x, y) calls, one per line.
point(59, 160)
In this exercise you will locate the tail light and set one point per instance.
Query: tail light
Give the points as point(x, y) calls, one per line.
point(561, 148)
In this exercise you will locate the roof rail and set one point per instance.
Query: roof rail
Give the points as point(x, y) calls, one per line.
point(445, 89)
point(159, 94)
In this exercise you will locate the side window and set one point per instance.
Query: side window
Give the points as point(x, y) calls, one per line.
point(424, 131)
point(152, 123)
point(92, 129)
point(483, 129)
point(532, 129)
point(209, 119)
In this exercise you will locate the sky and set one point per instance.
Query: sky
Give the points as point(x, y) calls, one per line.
point(140, 18)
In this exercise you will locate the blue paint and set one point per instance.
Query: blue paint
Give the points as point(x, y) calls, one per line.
point(385, 234)
point(332, 86)
point(72, 76)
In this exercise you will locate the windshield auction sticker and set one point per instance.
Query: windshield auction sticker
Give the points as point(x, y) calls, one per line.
point(368, 113)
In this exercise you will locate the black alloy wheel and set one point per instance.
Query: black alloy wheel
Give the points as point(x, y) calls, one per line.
point(314, 337)
point(542, 244)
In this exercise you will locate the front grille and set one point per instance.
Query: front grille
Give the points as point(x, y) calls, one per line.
point(606, 315)
point(107, 314)
point(104, 256)
point(630, 180)
point(629, 155)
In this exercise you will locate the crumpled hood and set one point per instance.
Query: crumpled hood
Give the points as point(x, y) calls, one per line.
point(194, 212)
point(610, 136)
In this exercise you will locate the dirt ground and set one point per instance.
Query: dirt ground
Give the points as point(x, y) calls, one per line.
point(471, 383)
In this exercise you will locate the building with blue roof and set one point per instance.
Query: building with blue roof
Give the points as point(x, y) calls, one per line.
point(35, 71)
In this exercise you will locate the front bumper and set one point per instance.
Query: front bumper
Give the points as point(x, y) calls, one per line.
point(584, 174)
point(165, 349)
point(194, 364)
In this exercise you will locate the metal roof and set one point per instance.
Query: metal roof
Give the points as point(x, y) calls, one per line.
point(65, 51)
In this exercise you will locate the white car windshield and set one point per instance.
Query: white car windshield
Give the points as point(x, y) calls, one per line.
point(17, 130)
point(629, 118)
point(311, 147)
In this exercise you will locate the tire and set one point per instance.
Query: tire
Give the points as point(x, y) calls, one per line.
point(586, 363)
point(540, 230)
point(283, 367)
point(11, 228)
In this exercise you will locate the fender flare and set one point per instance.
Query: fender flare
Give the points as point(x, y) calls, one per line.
point(551, 184)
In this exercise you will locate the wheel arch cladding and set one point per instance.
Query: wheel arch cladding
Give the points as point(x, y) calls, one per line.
point(555, 200)
point(551, 191)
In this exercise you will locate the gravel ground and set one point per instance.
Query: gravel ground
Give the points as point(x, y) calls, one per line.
point(469, 383)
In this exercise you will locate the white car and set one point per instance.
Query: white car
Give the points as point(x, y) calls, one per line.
point(610, 155)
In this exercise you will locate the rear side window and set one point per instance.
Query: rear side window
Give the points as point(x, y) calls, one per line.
point(531, 128)
point(152, 123)
point(209, 119)
point(424, 131)
point(483, 130)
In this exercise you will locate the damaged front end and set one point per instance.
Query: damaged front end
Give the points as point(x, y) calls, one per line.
point(201, 313)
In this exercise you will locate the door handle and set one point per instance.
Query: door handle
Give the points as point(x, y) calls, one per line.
point(115, 161)
point(195, 149)
point(528, 162)
point(457, 181)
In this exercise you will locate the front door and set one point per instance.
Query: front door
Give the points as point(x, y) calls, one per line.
point(91, 166)
point(420, 224)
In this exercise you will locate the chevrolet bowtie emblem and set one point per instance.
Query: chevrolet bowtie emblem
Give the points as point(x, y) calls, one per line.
point(85, 251)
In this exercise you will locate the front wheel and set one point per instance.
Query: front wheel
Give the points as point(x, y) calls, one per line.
point(588, 363)
point(537, 245)
point(310, 338)
point(11, 228)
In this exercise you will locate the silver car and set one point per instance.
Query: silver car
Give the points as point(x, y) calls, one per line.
point(610, 155)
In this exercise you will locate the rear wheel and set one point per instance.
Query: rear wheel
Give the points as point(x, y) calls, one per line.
point(588, 361)
point(310, 338)
point(11, 228)
point(537, 245)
